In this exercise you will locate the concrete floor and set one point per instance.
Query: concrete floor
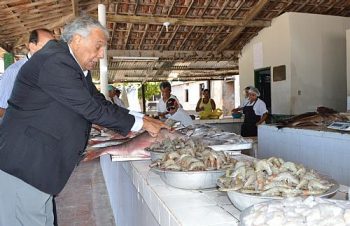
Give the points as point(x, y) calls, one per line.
point(84, 200)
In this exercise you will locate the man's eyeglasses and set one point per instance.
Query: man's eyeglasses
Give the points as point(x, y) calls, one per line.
point(170, 108)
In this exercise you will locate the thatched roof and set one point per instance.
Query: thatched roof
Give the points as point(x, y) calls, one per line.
point(203, 40)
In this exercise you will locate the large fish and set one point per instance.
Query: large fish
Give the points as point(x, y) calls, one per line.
point(323, 117)
point(134, 147)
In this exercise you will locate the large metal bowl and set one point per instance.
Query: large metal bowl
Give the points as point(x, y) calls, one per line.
point(190, 179)
point(155, 155)
point(251, 209)
point(242, 200)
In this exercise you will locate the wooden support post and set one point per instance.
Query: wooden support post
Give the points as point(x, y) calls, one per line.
point(143, 97)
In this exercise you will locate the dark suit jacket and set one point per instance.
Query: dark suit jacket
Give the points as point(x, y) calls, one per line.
point(49, 117)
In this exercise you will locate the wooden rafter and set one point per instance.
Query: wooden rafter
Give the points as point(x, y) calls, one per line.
point(205, 8)
point(186, 38)
point(189, 8)
point(154, 7)
point(238, 8)
point(185, 21)
point(127, 37)
point(75, 7)
point(172, 37)
point(143, 37)
point(62, 21)
point(249, 17)
point(222, 9)
point(171, 8)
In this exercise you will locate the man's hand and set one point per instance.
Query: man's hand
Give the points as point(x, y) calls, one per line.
point(153, 126)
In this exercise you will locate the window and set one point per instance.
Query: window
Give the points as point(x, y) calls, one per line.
point(186, 95)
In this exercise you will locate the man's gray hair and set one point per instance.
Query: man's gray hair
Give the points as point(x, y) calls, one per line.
point(82, 26)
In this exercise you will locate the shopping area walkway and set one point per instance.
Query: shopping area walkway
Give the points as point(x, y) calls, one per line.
point(84, 200)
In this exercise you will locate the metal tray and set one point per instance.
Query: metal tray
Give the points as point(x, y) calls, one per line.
point(155, 155)
point(190, 179)
point(243, 201)
point(231, 147)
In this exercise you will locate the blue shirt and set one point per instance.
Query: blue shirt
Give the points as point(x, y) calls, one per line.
point(7, 81)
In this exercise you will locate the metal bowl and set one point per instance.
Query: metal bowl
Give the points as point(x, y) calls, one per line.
point(252, 208)
point(242, 200)
point(155, 155)
point(190, 179)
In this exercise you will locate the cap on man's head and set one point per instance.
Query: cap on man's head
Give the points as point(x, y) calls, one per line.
point(110, 88)
point(171, 103)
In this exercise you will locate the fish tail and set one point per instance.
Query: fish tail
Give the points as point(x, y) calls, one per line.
point(92, 153)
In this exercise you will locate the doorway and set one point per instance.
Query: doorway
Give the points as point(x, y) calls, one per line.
point(263, 83)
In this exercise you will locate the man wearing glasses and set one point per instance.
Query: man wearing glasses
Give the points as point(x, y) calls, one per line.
point(177, 114)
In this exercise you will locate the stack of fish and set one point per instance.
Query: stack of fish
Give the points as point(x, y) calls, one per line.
point(211, 135)
point(322, 117)
point(190, 155)
point(130, 147)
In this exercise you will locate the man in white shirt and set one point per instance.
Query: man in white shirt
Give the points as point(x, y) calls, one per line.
point(165, 89)
point(37, 39)
point(117, 100)
point(177, 114)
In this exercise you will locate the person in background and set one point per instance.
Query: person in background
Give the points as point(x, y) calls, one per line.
point(111, 92)
point(206, 103)
point(47, 124)
point(117, 99)
point(37, 39)
point(165, 89)
point(255, 113)
point(177, 114)
point(245, 100)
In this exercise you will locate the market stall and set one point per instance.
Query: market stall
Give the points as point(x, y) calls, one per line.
point(138, 196)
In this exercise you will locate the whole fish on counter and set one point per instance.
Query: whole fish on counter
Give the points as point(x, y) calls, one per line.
point(134, 147)
point(323, 117)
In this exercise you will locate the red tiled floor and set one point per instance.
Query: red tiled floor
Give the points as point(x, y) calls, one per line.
point(84, 200)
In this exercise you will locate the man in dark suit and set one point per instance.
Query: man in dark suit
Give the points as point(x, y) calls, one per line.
point(48, 121)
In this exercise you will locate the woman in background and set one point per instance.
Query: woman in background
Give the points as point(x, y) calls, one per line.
point(255, 113)
point(206, 103)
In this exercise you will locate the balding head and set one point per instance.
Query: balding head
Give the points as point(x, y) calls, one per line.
point(38, 38)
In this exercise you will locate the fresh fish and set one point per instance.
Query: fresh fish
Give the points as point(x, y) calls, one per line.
point(108, 143)
point(134, 147)
point(323, 117)
point(103, 139)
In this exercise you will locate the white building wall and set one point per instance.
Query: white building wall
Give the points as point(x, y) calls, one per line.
point(313, 49)
point(348, 67)
point(178, 89)
point(216, 93)
point(318, 50)
point(270, 48)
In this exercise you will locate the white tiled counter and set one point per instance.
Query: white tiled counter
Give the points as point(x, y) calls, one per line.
point(140, 198)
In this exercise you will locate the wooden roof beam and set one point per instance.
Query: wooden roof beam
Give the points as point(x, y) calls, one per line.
point(75, 7)
point(58, 23)
point(186, 21)
point(171, 68)
point(247, 19)
point(171, 54)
